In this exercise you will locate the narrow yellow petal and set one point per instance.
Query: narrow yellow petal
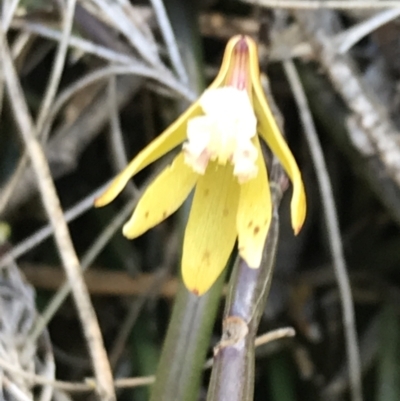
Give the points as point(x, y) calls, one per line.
point(163, 197)
point(169, 139)
point(269, 131)
point(226, 62)
point(271, 134)
point(254, 214)
point(211, 230)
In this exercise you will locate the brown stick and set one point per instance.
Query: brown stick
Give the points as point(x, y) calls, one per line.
point(105, 386)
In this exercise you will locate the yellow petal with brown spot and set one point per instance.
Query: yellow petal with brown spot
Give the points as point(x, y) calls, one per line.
point(169, 139)
point(162, 198)
point(211, 230)
point(269, 131)
point(254, 214)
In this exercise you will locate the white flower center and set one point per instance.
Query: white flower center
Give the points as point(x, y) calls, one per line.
point(224, 133)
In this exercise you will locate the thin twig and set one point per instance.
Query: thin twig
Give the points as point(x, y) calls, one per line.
point(324, 4)
point(48, 369)
point(8, 190)
point(274, 335)
point(262, 339)
point(100, 281)
point(52, 206)
point(109, 71)
point(119, 157)
point(134, 381)
point(1, 94)
point(118, 152)
point(369, 347)
point(75, 42)
point(332, 226)
point(58, 67)
point(45, 232)
point(7, 16)
point(347, 39)
point(8, 13)
point(89, 385)
point(13, 389)
point(128, 382)
point(119, 16)
point(170, 40)
point(20, 43)
point(106, 72)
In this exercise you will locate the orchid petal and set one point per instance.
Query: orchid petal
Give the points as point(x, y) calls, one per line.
point(169, 139)
point(226, 63)
point(254, 214)
point(269, 131)
point(211, 230)
point(162, 198)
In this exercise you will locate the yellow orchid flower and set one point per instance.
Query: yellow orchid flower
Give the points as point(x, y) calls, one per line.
point(222, 159)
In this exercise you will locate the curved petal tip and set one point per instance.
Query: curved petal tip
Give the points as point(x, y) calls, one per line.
point(298, 207)
point(198, 285)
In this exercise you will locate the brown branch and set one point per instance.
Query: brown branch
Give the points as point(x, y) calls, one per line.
point(371, 118)
point(51, 203)
point(99, 281)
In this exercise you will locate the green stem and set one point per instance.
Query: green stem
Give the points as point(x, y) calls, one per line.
point(184, 351)
point(388, 374)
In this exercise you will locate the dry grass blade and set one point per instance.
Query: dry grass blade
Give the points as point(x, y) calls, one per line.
point(9, 188)
point(116, 138)
point(325, 4)
point(274, 335)
point(52, 205)
point(170, 40)
point(370, 117)
point(18, 314)
point(75, 42)
point(45, 232)
point(111, 71)
point(48, 98)
point(332, 225)
point(350, 37)
point(58, 67)
point(8, 13)
point(88, 386)
point(119, 15)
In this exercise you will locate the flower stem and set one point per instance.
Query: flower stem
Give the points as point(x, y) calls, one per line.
point(184, 351)
point(233, 371)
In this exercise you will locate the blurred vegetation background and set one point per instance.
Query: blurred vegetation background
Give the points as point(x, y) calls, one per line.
point(100, 80)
